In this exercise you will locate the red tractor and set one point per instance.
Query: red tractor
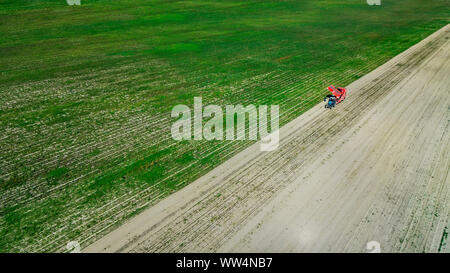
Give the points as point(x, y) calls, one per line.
point(338, 96)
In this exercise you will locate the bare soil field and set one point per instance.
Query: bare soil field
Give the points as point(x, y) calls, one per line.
point(375, 168)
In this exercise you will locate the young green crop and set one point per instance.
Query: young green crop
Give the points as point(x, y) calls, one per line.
point(87, 92)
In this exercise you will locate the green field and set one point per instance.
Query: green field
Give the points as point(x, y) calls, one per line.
point(87, 93)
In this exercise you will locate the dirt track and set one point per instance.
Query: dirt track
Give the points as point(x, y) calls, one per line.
point(375, 168)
